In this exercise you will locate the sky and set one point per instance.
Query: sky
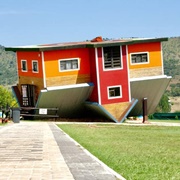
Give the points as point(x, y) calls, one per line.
point(32, 22)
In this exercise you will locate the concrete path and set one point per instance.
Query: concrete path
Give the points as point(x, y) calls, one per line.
point(40, 151)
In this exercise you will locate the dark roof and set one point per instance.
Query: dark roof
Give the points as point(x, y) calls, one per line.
point(85, 44)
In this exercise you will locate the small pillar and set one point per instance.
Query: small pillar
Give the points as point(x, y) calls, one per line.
point(145, 115)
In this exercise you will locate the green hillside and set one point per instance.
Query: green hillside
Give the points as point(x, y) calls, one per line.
point(171, 54)
point(8, 69)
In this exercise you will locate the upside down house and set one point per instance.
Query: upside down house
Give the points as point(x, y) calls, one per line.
point(106, 78)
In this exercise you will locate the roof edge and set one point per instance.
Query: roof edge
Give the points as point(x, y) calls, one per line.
point(133, 41)
point(85, 44)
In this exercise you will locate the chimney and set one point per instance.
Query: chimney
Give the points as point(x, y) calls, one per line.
point(97, 39)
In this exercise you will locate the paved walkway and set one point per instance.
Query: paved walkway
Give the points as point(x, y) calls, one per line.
point(40, 151)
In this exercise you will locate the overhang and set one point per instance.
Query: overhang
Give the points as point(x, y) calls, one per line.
point(151, 88)
point(68, 99)
point(126, 42)
point(85, 44)
point(99, 110)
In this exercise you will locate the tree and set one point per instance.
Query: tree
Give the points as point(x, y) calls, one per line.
point(164, 105)
point(175, 92)
point(6, 97)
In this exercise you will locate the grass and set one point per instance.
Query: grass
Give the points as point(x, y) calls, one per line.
point(135, 152)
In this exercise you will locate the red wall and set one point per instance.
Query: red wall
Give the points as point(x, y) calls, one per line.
point(113, 78)
point(94, 95)
point(29, 56)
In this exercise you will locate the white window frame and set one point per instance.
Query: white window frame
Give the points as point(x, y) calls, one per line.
point(112, 69)
point(69, 59)
point(33, 66)
point(114, 97)
point(23, 60)
point(148, 61)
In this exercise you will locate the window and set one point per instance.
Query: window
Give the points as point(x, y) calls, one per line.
point(114, 92)
point(24, 95)
point(112, 57)
point(35, 66)
point(69, 64)
point(139, 58)
point(28, 95)
point(24, 65)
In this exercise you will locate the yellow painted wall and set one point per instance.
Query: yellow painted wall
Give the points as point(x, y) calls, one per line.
point(117, 109)
point(55, 77)
point(154, 50)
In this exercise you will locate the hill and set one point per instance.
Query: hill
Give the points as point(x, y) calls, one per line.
point(171, 54)
point(8, 70)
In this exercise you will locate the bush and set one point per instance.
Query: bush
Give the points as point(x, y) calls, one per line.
point(164, 105)
point(151, 116)
point(175, 91)
point(6, 97)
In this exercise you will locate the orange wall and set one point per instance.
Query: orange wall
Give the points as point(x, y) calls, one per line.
point(29, 56)
point(154, 50)
point(51, 59)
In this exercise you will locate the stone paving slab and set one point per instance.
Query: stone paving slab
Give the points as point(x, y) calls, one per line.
point(28, 151)
point(81, 164)
point(41, 151)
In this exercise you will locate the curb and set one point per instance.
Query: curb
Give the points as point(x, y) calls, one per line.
point(94, 157)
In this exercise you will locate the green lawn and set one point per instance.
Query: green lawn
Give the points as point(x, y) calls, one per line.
point(167, 121)
point(135, 152)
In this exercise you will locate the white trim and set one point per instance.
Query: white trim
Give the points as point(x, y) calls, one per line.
point(68, 86)
point(122, 67)
point(115, 97)
point(17, 65)
point(162, 59)
point(22, 65)
point(43, 69)
point(150, 78)
point(133, 64)
point(69, 59)
point(112, 69)
point(37, 66)
point(128, 72)
point(97, 75)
